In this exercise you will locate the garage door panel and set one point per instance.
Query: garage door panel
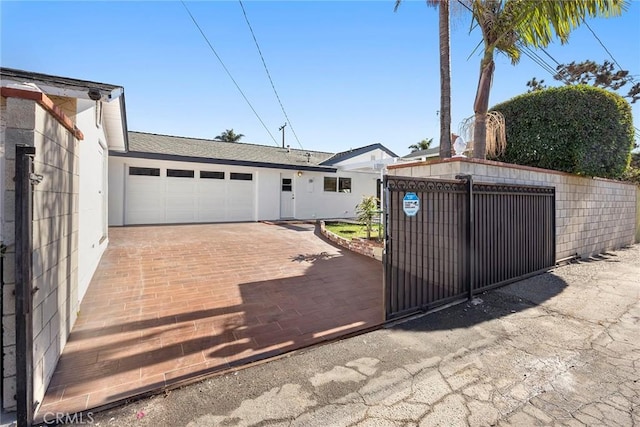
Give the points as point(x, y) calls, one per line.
point(212, 194)
point(240, 200)
point(158, 200)
point(144, 203)
point(181, 185)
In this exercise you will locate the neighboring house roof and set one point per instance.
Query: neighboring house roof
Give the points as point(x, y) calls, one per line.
point(430, 152)
point(177, 148)
point(114, 110)
point(345, 155)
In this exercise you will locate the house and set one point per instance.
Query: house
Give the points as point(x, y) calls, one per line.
point(164, 179)
point(72, 125)
point(422, 155)
point(433, 152)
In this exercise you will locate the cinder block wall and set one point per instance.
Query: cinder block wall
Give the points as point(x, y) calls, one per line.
point(7, 158)
point(637, 214)
point(593, 215)
point(55, 240)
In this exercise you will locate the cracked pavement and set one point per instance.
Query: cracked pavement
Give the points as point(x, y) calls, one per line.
point(559, 349)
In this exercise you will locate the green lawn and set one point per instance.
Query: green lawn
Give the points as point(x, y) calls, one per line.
point(350, 231)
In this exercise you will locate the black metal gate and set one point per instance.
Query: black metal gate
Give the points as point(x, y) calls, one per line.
point(23, 289)
point(461, 238)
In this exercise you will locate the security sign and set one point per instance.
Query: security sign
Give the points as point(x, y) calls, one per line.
point(410, 204)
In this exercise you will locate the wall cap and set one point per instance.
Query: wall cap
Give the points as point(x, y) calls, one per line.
point(438, 161)
point(45, 102)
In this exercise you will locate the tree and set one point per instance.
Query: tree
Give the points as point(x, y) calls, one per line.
point(366, 210)
point(509, 25)
point(422, 145)
point(535, 85)
point(229, 136)
point(445, 74)
point(594, 74)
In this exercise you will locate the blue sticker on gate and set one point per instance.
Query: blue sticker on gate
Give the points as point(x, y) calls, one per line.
point(410, 204)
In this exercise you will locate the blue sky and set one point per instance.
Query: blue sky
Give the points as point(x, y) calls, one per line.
point(348, 73)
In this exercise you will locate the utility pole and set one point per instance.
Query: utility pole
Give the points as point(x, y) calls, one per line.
point(282, 129)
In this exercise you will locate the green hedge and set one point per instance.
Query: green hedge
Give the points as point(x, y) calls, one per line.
point(579, 129)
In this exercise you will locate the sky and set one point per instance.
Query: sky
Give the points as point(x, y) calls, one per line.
point(348, 74)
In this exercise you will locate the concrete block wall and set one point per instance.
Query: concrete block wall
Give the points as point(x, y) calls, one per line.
point(638, 214)
point(55, 238)
point(593, 215)
point(7, 320)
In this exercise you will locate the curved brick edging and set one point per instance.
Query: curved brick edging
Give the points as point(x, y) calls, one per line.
point(361, 246)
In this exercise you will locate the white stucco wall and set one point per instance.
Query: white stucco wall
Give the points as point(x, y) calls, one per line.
point(92, 237)
point(116, 191)
point(311, 201)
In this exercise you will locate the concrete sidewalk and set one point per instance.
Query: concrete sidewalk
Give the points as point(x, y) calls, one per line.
point(562, 348)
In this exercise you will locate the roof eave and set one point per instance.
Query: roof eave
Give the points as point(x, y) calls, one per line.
point(115, 124)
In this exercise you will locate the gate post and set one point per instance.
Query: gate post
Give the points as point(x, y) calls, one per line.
point(23, 289)
point(386, 280)
point(470, 267)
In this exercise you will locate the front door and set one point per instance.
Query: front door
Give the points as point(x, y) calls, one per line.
point(286, 196)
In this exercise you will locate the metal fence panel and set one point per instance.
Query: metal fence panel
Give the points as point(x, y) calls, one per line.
point(465, 238)
point(424, 261)
point(514, 232)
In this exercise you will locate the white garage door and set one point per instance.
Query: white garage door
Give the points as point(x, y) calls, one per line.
point(172, 196)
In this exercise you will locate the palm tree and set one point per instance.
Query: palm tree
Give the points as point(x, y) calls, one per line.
point(509, 25)
point(445, 74)
point(229, 136)
point(422, 145)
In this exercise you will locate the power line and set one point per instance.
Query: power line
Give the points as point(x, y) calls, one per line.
point(549, 55)
point(584, 21)
point(246, 18)
point(537, 59)
point(228, 72)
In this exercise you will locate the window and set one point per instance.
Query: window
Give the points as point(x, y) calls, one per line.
point(330, 183)
point(344, 185)
point(241, 176)
point(144, 171)
point(287, 184)
point(211, 175)
point(180, 173)
point(340, 185)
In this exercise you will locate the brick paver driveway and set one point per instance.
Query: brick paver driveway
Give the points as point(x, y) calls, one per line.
point(170, 303)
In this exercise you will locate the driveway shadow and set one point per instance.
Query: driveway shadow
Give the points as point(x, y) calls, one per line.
point(490, 305)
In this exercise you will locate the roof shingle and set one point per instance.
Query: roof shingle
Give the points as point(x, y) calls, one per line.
point(177, 146)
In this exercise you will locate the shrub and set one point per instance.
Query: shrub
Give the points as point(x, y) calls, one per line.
point(632, 174)
point(577, 129)
point(366, 210)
